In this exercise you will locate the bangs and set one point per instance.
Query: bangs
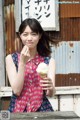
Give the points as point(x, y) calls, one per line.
point(34, 27)
point(33, 24)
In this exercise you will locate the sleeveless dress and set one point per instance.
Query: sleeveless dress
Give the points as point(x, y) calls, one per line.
point(32, 97)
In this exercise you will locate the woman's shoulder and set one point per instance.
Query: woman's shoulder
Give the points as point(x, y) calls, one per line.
point(47, 60)
point(8, 57)
point(52, 61)
point(8, 60)
point(11, 56)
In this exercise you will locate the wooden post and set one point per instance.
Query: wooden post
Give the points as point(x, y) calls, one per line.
point(2, 46)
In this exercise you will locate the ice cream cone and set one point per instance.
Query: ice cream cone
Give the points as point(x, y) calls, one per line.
point(43, 75)
point(42, 70)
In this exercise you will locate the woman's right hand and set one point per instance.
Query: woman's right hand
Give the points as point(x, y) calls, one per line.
point(25, 54)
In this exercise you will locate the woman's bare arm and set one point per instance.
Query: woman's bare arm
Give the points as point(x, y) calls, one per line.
point(16, 79)
point(51, 75)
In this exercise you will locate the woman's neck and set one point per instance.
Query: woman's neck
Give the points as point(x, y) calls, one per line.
point(33, 53)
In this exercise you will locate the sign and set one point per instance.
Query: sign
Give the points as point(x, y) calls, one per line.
point(45, 11)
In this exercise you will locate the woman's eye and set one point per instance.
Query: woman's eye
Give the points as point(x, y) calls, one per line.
point(34, 34)
point(24, 34)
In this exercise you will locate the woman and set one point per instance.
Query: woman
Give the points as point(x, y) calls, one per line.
point(29, 91)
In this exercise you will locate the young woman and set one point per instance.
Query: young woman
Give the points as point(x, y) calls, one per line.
point(29, 91)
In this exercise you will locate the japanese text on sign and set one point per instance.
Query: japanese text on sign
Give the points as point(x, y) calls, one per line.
point(42, 10)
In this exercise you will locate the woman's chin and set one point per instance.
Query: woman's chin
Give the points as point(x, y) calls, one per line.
point(29, 46)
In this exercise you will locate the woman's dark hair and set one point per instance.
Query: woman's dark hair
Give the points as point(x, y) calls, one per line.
point(43, 46)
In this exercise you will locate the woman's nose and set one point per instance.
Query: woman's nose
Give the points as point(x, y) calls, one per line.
point(29, 37)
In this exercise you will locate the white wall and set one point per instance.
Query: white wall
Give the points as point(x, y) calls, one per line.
point(65, 99)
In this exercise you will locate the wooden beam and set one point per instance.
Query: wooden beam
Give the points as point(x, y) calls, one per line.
point(73, 90)
point(45, 116)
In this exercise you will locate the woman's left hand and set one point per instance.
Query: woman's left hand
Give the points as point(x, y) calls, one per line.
point(46, 83)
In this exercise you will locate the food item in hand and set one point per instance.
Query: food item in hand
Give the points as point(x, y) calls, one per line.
point(42, 69)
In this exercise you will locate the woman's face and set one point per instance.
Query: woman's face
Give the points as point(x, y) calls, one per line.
point(30, 38)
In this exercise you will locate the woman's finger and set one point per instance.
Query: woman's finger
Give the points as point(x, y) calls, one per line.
point(24, 49)
point(46, 84)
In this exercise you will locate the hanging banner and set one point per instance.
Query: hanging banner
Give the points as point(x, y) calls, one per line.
point(45, 11)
